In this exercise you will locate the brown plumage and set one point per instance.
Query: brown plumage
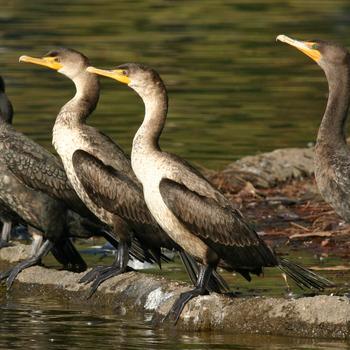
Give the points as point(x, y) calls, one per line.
point(100, 171)
point(189, 209)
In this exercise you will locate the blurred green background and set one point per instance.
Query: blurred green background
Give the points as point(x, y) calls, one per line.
point(233, 90)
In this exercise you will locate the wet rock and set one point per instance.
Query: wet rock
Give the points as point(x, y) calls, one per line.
point(318, 316)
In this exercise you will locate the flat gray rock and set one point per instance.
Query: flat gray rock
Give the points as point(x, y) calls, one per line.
point(319, 316)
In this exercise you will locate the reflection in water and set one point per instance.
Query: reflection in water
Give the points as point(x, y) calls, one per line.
point(233, 90)
point(42, 323)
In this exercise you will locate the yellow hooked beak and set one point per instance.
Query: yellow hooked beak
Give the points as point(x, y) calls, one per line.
point(50, 62)
point(117, 74)
point(305, 46)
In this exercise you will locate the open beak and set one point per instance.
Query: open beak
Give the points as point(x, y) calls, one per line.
point(116, 74)
point(305, 46)
point(49, 62)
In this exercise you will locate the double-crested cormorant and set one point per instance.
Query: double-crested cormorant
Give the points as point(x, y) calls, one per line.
point(332, 153)
point(101, 173)
point(8, 215)
point(6, 113)
point(185, 204)
point(34, 190)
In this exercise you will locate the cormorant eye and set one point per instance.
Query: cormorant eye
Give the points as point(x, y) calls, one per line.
point(124, 72)
point(314, 46)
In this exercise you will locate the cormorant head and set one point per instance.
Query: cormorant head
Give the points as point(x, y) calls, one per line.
point(144, 80)
point(66, 61)
point(6, 109)
point(326, 54)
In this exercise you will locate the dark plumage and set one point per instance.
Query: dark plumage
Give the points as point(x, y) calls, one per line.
point(34, 190)
point(194, 214)
point(332, 154)
point(101, 174)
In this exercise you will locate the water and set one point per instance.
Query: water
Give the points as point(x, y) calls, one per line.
point(41, 323)
point(233, 91)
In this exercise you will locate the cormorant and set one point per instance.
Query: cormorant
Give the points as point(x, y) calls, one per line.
point(195, 215)
point(101, 173)
point(6, 112)
point(34, 190)
point(332, 153)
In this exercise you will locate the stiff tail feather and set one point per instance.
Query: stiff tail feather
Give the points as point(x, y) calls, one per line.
point(303, 277)
point(216, 283)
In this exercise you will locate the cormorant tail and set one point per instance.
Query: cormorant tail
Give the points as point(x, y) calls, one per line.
point(303, 277)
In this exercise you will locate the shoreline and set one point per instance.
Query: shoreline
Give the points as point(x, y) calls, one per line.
point(316, 317)
point(286, 209)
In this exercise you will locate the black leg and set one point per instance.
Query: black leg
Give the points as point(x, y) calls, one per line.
point(119, 266)
point(33, 260)
point(5, 234)
point(201, 289)
point(37, 241)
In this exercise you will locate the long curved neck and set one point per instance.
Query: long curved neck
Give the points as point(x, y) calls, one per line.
point(156, 108)
point(332, 128)
point(84, 102)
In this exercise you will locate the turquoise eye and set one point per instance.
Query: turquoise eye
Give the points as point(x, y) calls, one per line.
point(314, 46)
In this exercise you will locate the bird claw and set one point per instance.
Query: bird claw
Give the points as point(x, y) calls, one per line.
point(103, 276)
point(91, 275)
point(174, 313)
point(12, 277)
point(4, 275)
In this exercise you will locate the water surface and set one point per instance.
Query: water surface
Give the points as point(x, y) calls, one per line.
point(233, 90)
point(42, 323)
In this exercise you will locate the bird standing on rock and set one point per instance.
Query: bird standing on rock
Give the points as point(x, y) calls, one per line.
point(190, 210)
point(101, 174)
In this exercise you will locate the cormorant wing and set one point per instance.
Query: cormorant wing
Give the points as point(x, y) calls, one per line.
point(194, 180)
point(205, 217)
point(35, 166)
point(221, 227)
point(110, 188)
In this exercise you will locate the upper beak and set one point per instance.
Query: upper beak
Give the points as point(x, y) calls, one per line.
point(116, 74)
point(49, 62)
point(304, 46)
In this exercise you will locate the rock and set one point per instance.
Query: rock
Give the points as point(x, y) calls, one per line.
point(15, 253)
point(268, 169)
point(319, 316)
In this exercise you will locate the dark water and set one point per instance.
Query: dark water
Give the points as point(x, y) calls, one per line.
point(233, 91)
point(42, 322)
point(50, 324)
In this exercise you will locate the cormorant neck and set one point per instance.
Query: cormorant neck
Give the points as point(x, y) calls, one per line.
point(85, 100)
point(6, 109)
point(156, 108)
point(332, 128)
